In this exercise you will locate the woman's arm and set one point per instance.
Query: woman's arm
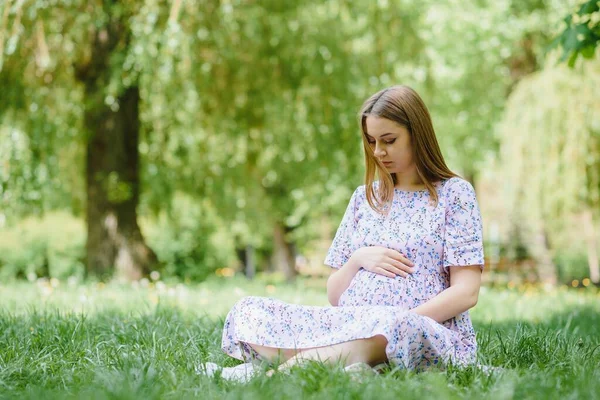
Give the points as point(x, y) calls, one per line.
point(459, 297)
point(340, 279)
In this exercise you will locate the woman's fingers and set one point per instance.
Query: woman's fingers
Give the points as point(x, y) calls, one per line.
point(385, 272)
point(392, 263)
point(399, 257)
point(394, 270)
point(401, 266)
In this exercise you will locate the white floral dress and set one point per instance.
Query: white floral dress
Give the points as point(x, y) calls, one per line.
point(434, 238)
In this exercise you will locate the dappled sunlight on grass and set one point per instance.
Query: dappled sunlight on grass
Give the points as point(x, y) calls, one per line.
point(528, 302)
point(213, 298)
point(531, 302)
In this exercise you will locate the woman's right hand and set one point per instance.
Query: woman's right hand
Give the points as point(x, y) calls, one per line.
point(383, 261)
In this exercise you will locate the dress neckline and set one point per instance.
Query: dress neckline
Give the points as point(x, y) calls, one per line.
point(436, 185)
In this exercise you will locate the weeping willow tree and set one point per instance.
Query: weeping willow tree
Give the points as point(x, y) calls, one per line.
point(551, 151)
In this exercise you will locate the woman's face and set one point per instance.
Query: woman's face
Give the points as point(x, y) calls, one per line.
point(391, 144)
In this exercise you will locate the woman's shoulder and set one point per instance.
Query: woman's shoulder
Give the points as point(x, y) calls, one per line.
point(457, 182)
point(360, 192)
point(457, 187)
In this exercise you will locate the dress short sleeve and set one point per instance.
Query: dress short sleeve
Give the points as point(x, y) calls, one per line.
point(342, 246)
point(463, 241)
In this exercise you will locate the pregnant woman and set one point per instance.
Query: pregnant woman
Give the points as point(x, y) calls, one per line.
point(407, 261)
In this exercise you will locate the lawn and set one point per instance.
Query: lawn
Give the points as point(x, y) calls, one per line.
point(72, 340)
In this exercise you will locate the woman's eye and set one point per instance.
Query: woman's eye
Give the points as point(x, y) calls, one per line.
point(386, 142)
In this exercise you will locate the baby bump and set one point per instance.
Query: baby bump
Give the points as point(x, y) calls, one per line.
point(368, 288)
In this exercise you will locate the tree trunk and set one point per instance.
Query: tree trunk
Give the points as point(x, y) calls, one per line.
point(250, 269)
point(546, 270)
point(246, 256)
point(591, 242)
point(283, 253)
point(114, 240)
point(114, 237)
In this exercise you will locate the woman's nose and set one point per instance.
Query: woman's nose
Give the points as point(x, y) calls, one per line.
point(378, 152)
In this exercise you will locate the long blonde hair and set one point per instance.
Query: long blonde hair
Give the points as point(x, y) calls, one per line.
point(404, 106)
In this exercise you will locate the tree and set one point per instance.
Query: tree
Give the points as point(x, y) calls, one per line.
point(91, 42)
point(112, 162)
point(551, 150)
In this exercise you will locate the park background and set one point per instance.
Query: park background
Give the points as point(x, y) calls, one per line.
point(161, 159)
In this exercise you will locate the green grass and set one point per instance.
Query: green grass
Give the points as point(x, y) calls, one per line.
point(121, 341)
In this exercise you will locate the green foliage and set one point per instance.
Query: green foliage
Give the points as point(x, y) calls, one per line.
point(252, 105)
point(118, 190)
point(190, 240)
point(581, 34)
point(571, 265)
point(53, 245)
point(551, 148)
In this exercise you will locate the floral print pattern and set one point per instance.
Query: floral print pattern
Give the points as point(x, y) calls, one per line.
point(433, 237)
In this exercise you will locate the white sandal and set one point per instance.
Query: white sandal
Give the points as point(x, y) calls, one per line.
point(240, 373)
point(360, 370)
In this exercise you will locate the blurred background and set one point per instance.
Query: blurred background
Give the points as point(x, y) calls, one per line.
point(185, 140)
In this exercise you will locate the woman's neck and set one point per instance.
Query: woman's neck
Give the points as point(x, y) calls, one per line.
point(410, 181)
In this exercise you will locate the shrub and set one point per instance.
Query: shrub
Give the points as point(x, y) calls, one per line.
point(190, 239)
point(571, 265)
point(53, 245)
point(190, 242)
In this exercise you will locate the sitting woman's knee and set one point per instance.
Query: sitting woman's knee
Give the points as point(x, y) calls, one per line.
point(375, 350)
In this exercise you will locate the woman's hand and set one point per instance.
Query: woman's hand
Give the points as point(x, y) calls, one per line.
point(383, 261)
